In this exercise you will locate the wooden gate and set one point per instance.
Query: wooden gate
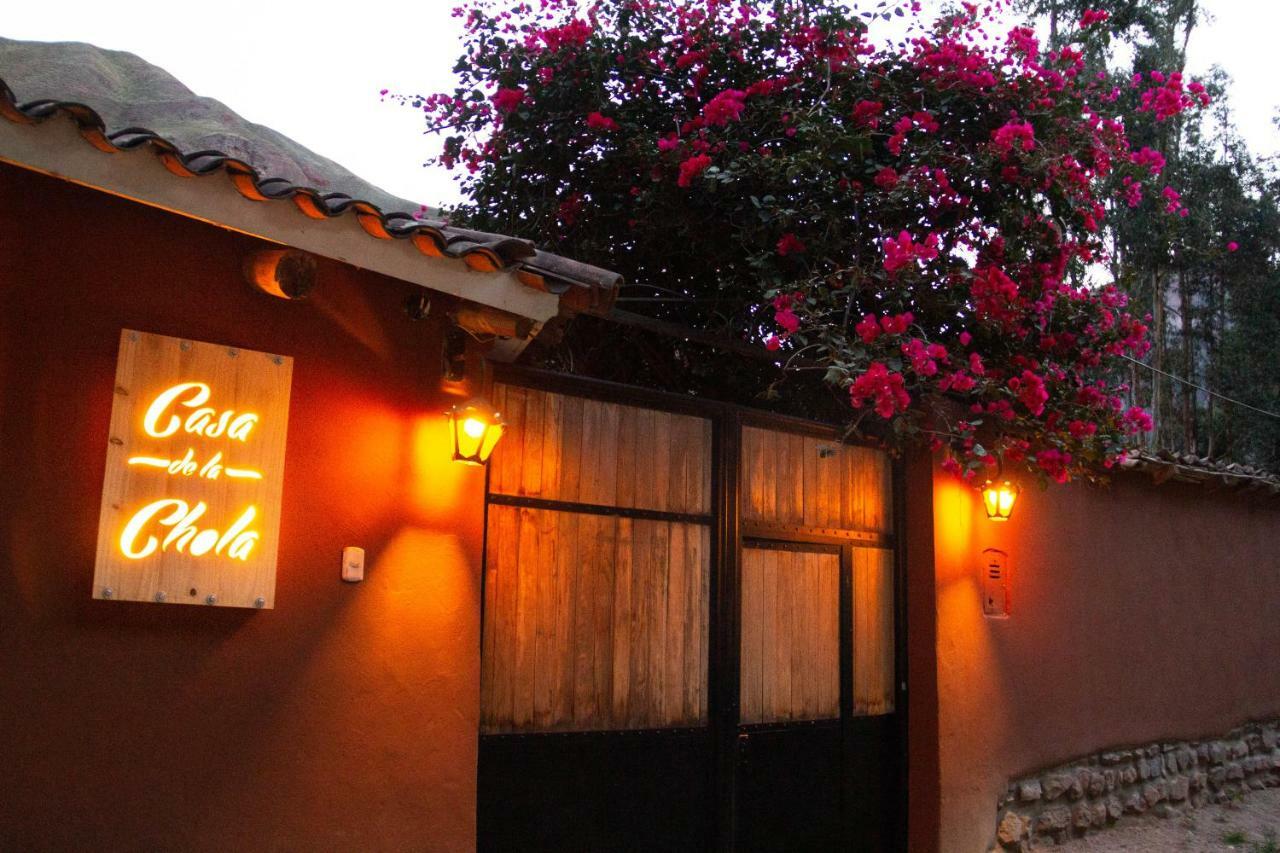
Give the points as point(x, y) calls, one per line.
point(689, 629)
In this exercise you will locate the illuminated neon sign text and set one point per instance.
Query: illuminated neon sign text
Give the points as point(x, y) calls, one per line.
point(179, 517)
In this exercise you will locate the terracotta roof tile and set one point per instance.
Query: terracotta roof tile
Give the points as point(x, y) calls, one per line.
point(150, 94)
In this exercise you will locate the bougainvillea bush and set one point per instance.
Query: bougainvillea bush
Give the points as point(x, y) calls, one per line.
point(911, 219)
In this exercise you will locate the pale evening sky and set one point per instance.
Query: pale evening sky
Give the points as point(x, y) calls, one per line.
point(313, 70)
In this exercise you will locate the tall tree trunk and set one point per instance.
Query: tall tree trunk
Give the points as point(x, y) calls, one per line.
point(1157, 357)
point(1187, 330)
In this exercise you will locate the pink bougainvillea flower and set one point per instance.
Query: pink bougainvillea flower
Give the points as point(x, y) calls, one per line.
point(790, 244)
point(597, 121)
point(782, 313)
point(1055, 463)
point(886, 179)
point(724, 108)
point(1138, 420)
point(1233, 246)
point(897, 324)
point(1031, 392)
point(573, 34)
point(507, 100)
point(1093, 16)
point(1013, 134)
point(886, 390)
point(867, 114)
point(868, 329)
point(692, 168)
point(1150, 158)
point(903, 251)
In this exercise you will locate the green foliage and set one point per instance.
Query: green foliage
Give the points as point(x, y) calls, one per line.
point(1215, 310)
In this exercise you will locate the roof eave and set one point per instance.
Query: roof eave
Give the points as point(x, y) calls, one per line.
point(56, 147)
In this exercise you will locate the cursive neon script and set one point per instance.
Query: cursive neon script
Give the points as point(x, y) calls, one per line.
point(187, 466)
point(180, 517)
point(204, 420)
point(171, 524)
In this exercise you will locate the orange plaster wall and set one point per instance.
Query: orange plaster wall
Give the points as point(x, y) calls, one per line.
point(1139, 613)
point(346, 718)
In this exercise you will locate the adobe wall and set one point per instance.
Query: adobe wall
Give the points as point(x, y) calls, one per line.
point(1142, 616)
point(345, 718)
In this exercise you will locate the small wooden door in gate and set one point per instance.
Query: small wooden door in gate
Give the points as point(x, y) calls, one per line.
point(818, 739)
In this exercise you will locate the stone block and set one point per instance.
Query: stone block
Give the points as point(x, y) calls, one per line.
point(1153, 792)
point(1056, 784)
point(1013, 828)
point(1080, 779)
point(1235, 770)
point(1029, 790)
point(1134, 803)
point(1054, 819)
point(1179, 788)
point(1129, 774)
point(1115, 808)
point(1097, 783)
point(1082, 816)
point(1217, 752)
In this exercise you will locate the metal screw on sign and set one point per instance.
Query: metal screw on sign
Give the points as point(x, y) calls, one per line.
point(185, 345)
point(160, 597)
point(259, 602)
point(211, 599)
point(278, 359)
point(133, 336)
point(107, 592)
point(233, 352)
point(116, 441)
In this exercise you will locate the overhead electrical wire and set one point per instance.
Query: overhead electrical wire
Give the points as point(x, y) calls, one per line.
point(1208, 391)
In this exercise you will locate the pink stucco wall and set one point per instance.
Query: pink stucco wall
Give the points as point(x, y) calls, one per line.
point(1140, 612)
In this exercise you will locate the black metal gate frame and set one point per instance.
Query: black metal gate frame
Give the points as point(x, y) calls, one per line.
point(728, 534)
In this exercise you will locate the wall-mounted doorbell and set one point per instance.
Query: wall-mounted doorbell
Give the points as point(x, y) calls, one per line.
point(995, 584)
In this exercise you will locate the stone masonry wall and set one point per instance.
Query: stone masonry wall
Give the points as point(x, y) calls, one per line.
point(1165, 778)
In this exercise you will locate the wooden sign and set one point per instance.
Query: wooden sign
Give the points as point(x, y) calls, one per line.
point(195, 463)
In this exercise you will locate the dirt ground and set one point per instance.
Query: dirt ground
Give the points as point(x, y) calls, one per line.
point(1249, 825)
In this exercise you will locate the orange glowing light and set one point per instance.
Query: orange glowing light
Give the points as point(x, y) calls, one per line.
point(180, 517)
point(998, 499)
point(476, 430)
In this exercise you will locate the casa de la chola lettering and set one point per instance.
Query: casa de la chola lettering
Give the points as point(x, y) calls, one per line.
point(172, 524)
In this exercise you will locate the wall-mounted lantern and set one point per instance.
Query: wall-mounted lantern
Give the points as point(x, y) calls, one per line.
point(476, 429)
point(999, 498)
